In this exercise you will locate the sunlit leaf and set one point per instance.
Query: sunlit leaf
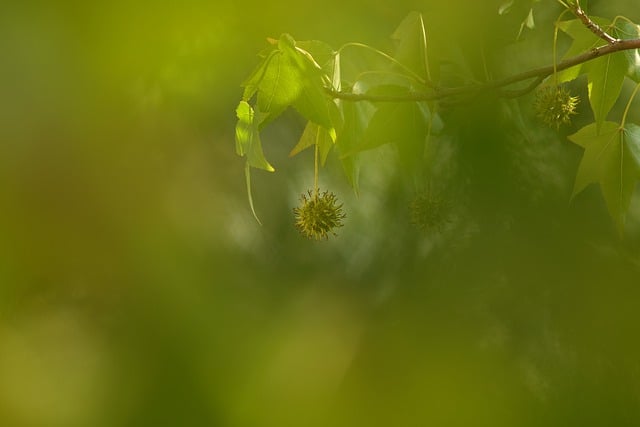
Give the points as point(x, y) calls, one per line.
point(321, 53)
point(313, 104)
point(314, 135)
point(311, 100)
point(248, 144)
point(612, 159)
point(280, 85)
point(248, 137)
point(606, 75)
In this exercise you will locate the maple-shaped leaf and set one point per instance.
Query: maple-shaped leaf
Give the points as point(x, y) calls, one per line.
point(289, 76)
point(311, 100)
point(411, 44)
point(279, 84)
point(612, 159)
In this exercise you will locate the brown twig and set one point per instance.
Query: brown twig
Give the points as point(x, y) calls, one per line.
point(592, 26)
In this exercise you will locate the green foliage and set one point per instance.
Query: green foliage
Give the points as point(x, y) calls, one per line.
point(605, 75)
point(611, 159)
point(398, 101)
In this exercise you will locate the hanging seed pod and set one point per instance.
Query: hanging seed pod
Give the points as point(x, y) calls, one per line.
point(554, 105)
point(318, 215)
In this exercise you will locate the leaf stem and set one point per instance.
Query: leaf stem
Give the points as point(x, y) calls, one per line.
point(417, 77)
point(425, 51)
point(555, 47)
point(316, 189)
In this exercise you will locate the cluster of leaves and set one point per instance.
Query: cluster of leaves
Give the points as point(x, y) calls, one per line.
point(612, 148)
point(397, 102)
point(304, 74)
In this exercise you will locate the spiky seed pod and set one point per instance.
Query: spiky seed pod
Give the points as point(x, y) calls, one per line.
point(318, 215)
point(554, 105)
point(429, 211)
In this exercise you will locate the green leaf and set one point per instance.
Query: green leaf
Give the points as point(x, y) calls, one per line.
point(280, 85)
point(505, 7)
point(313, 105)
point(248, 144)
point(404, 124)
point(356, 116)
point(390, 123)
point(290, 76)
point(626, 30)
point(311, 100)
point(632, 132)
point(605, 76)
point(411, 48)
point(529, 22)
point(321, 53)
point(612, 159)
point(583, 40)
point(252, 83)
point(248, 137)
point(314, 135)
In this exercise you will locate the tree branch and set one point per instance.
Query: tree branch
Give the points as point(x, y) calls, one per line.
point(538, 73)
point(592, 26)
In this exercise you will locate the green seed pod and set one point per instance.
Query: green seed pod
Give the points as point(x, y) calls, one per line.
point(554, 105)
point(429, 211)
point(318, 215)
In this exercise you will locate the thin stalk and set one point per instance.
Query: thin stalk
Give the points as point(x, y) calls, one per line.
point(555, 48)
point(626, 110)
point(387, 57)
point(424, 49)
point(316, 189)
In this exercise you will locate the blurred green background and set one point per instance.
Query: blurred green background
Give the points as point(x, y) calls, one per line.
point(136, 288)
